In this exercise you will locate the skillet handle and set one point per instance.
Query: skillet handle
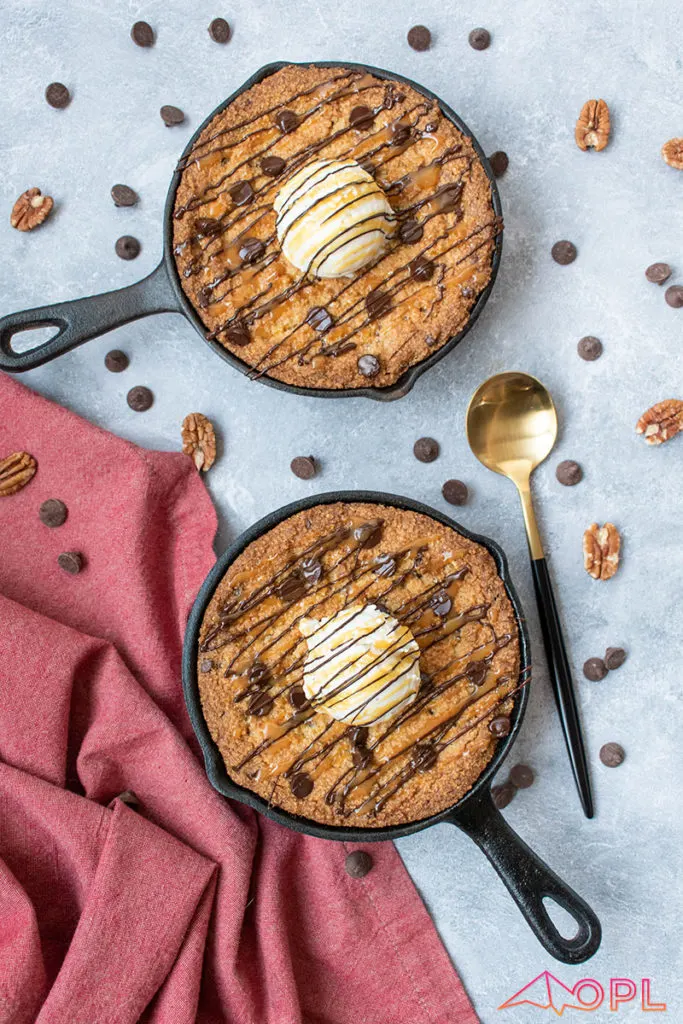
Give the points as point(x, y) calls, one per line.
point(528, 879)
point(80, 320)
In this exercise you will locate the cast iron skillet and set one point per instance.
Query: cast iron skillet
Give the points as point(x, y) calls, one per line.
point(80, 320)
point(528, 879)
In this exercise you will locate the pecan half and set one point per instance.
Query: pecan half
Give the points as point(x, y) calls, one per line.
point(593, 126)
point(672, 151)
point(662, 422)
point(199, 440)
point(15, 472)
point(30, 210)
point(601, 546)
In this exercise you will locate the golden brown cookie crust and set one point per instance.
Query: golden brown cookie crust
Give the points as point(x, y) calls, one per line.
point(479, 629)
point(424, 314)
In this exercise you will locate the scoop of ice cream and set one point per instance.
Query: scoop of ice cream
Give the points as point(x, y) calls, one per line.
point(333, 218)
point(362, 665)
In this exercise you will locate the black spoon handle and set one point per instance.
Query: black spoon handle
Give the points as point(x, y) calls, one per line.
point(561, 680)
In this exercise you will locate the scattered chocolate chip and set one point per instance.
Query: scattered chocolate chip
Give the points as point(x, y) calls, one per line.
point(142, 34)
point(503, 794)
point(563, 252)
point(251, 249)
point(301, 785)
point(53, 512)
point(286, 120)
point(116, 361)
point(368, 366)
point(448, 196)
point(612, 755)
point(426, 449)
point(614, 657)
point(261, 704)
point(423, 757)
point(476, 672)
point(292, 588)
point(359, 735)
point(127, 247)
point(419, 38)
point(206, 227)
point(241, 193)
point(589, 348)
point(219, 30)
point(206, 665)
point(57, 95)
point(569, 473)
point(358, 864)
point(259, 674)
point(361, 118)
point(658, 273)
point(304, 467)
point(377, 303)
point(594, 669)
point(441, 604)
point(499, 163)
point(500, 726)
point(140, 398)
point(410, 231)
point(123, 195)
point(479, 38)
point(171, 115)
point(455, 492)
point(674, 296)
point(422, 269)
point(400, 133)
point(297, 697)
point(319, 318)
point(273, 165)
point(522, 776)
point(312, 570)
point(71, 562)
point(239, 335)
point(384, 565)
point(368, 535)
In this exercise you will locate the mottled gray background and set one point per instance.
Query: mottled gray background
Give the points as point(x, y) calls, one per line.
point(623, 210)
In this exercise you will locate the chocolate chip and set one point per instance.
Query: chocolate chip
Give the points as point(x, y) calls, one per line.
point(368, 366)
point(140, 398)
point(500, 726)
point(563, 252)
point(476, 672)
point(441, 604)
point(127, 247)
point(455, 492)
point(377, 303)
point(400, 133)
point(479, 38)
point(71, 562)
point(273, 165)
point(594, 669)
point(251, 249)
point(219, 30)
point(301, 785)
point(612, 755)
point(238, 335)
point(674, 296)
point(171, 115)
point(499, 163)
point(522, 776)
point(423, 757)
point(292, 588)
point(422, 269)
point(205, 665)
point(419, 38)
point(261, 704)
point(142, 34)
point(319, 318)
point(304, 467)
point(448, 196)
point(368, 535)
point(410, 231)
point(297, 697)
point(116, 361)
point(123, 195)
point(361, 118)
point(502, 795)
point(53, 512)
point(206, 227)
point(658, 273)
point(569, 473)
point(589, 348)
point(384, 565)
point(286, 120)
point(359, 735)
point(57, 95)
point(258, 674)
point(241, 193)
point(312, 570)
point(614, 657)
point(358, 864)
point(426, 449)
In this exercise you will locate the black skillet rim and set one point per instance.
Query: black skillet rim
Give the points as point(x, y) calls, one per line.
point(406, 382)
point(215, 767)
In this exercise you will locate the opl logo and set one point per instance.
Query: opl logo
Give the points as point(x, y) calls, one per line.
point(546, 992)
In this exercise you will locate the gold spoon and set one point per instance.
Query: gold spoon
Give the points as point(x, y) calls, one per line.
point(511, 428)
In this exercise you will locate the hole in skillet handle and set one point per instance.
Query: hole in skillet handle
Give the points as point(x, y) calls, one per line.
point(30, 338)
